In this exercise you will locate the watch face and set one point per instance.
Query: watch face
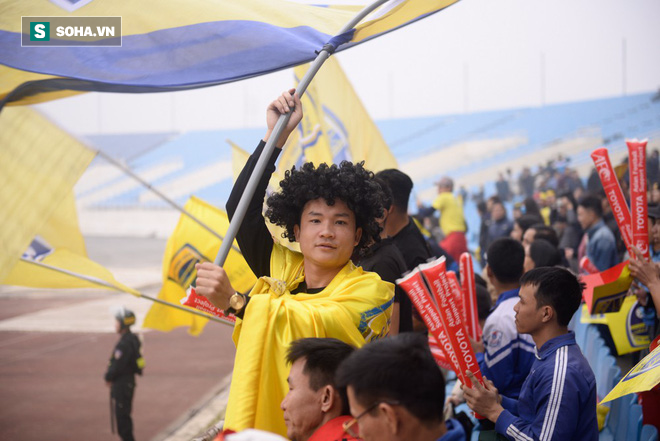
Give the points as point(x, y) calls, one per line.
point(237, 301)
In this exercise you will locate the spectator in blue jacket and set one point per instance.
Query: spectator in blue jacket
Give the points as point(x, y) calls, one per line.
point(558, 399)
point(598, 243)
point(507, 355)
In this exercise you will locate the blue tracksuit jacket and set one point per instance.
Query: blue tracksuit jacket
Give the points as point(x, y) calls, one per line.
point(508, 356)
point(558, 399)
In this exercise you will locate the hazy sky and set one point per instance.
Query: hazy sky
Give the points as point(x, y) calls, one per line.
point(476, 55)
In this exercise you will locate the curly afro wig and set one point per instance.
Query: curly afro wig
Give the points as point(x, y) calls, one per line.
point(348, 182)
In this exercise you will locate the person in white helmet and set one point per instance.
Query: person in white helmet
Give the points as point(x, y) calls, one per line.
point(125, 362)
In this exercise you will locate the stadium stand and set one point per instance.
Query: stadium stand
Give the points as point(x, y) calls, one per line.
point(198, 161)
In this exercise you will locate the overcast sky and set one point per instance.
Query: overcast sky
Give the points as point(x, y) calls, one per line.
point(476, 55)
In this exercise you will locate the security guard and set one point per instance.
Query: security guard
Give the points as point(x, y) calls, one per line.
point(126, 361)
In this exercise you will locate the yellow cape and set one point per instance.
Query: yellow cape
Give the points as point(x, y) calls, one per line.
point(355, 308)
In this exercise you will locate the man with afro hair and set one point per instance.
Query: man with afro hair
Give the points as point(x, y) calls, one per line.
point(331, 212)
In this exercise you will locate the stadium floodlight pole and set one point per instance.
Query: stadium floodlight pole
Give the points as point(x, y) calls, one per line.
point(158, 193)
point(267, 152)
point(103, 283)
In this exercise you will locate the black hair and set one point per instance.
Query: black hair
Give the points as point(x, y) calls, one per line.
point(506, 259)
point(322, 358)
point(400, 369)
point(527, 220)
point(348, 182)
point(481, 207)
point(546, 233)
point(543, 253)
point(386, 192)
point(556, 287)
point(531, 207)
point(593, 203)
point(494, 199)
point(484, 302)
point(400, 186)
point(569, 195)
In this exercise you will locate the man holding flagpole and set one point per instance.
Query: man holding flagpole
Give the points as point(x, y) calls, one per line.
point(330, 211)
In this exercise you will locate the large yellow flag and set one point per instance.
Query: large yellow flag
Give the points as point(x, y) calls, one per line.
point(39, 164)
point(644, 376)
point(336, 126)
point(189, 244)
point(59, 244)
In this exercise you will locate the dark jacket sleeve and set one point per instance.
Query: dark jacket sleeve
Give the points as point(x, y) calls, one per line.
point(119, 366)
point(253, 236)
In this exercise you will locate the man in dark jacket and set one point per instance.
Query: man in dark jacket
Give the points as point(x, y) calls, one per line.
point(125, 362)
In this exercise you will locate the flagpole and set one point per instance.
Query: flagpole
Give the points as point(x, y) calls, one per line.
point(146, 184)
point(267, 152)
point(103, 283)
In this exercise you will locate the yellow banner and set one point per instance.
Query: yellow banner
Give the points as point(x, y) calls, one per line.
point(39, 164)
point(336, 126)
point(644, 376)
point(60, 244)
point(626, 326)
point(189, 244)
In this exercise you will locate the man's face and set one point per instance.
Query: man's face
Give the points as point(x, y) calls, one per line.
point(529, 317)
point(302, 405)
point(498, 212)
point(528, 237)
point(585, 217)
point(327, 234)
point(372, 425)
point(654, 230)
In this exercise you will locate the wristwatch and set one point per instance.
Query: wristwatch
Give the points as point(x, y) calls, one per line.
point(236, 303)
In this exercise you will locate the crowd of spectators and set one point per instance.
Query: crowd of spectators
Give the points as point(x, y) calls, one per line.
point(316, 356)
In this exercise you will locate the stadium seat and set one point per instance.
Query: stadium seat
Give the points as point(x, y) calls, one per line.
point(649, 433)
point(589, 342)
point(593, 347)
point(619, 423)
point(634, 427)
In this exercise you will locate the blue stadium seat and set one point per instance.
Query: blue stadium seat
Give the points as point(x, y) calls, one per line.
point(589, 342)
point(593, 346)
point(619, 423)
point(649, 433)
point(634, 427)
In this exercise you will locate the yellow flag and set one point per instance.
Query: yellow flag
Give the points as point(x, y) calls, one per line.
point(39, 164)
point(644, 376)
point(189, 244)
point(238, 159)
point(336, 126)
point(355, 308)
point(60, 244)
point(626, 326)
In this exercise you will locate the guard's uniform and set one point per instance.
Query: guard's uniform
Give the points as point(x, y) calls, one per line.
point(125, 362)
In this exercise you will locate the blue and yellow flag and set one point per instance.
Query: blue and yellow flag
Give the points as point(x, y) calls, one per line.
point(627, 326)
point(644, 376)
point(189, 244)
point(182, 44)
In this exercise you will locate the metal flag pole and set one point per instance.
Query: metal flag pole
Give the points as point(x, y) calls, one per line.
point(158, 193)
point(102, 282)
point(267, 152)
